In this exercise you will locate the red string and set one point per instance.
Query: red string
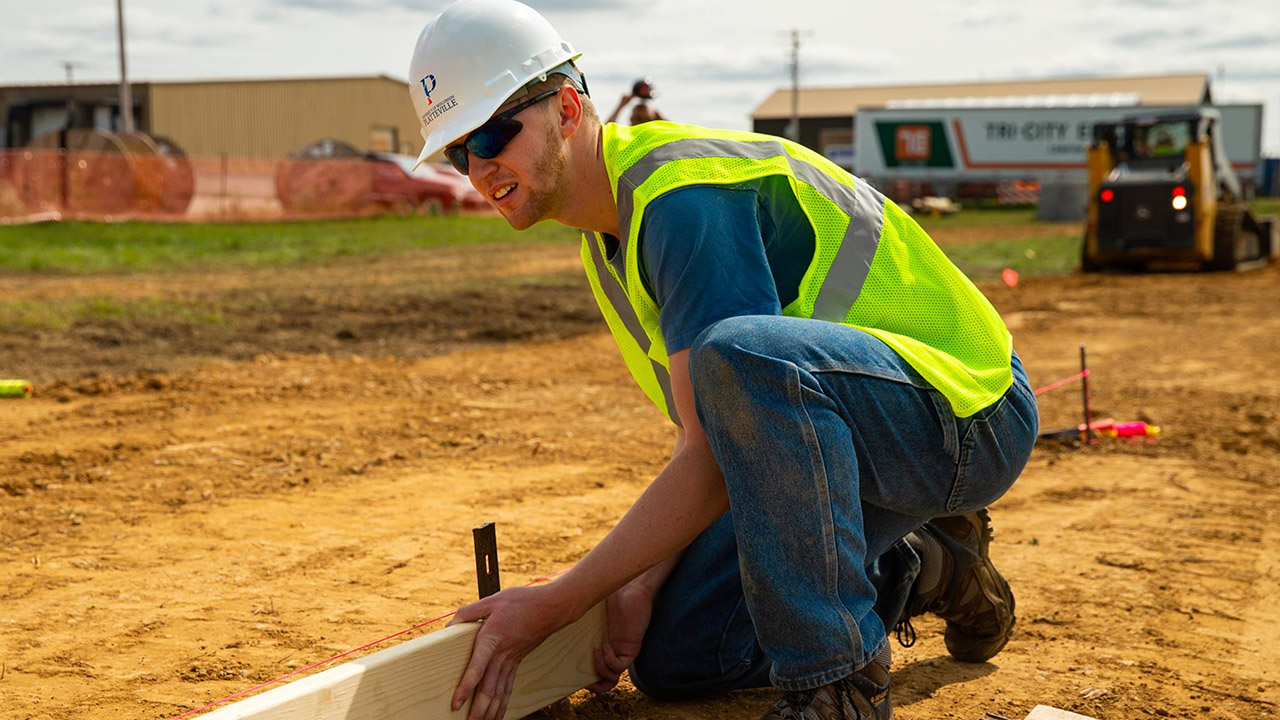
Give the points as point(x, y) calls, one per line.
point(312, 666)
point(1080, 375)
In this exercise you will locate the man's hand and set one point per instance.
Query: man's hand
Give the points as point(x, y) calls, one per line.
point(629, 611)
point(516, 621)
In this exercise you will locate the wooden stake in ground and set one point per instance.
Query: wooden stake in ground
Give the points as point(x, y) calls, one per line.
point(416, 679)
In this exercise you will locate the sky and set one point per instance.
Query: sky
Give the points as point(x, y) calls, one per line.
point(712, 61)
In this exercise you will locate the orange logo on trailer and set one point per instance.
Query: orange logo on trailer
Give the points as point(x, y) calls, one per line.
point(914, 142)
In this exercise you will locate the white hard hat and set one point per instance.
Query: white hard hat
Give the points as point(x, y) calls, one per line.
point(471, 58)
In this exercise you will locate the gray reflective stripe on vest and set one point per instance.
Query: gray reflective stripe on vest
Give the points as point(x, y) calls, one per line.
point(863, 205)
point(621, 305)
point(852, 262)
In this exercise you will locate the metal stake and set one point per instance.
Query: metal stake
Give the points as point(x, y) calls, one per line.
point(486, 540)
point(1084, 392)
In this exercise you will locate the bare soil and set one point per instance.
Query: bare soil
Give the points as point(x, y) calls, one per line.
point(188, 508)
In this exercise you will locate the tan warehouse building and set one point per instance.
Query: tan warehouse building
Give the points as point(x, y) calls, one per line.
point(236, 118)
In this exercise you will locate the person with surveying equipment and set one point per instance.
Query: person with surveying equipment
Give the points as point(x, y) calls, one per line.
point(846, 402)
point(642, 91)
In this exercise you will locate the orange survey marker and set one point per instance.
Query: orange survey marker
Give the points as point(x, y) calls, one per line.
point(15, 389)
point(1107, 428)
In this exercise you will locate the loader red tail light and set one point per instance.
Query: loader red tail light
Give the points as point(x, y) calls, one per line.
point(1179, 191)
point(1107, 195)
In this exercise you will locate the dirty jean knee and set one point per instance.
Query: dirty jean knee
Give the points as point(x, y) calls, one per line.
point(814, 424)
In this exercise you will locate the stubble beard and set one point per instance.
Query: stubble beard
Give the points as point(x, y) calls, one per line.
point(545, 200)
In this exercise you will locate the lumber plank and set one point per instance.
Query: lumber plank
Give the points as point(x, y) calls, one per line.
point(1044, 712)
point(416, 679)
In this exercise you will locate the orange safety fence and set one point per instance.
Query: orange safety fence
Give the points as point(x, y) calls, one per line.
point(50, 184)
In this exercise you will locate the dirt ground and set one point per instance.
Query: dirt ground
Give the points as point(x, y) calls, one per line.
point(190, 507)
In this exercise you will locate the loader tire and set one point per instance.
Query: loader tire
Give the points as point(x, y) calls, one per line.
point(1228, 233)
point(1087, 263)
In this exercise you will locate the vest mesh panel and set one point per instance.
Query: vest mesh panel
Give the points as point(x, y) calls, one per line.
point(957, 325)
point(822, 214)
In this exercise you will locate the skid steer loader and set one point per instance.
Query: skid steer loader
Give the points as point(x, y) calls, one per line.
point(1162, 193)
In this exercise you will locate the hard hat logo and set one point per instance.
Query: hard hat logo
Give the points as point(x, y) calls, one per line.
point(428, 90)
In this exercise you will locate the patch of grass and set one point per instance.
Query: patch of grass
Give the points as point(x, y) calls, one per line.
point(1266, 206)
point(85, 248)
point(1051, 255)
point(979, 217)
point(63, 314)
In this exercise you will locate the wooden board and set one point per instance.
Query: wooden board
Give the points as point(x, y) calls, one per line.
point(416, 679)
point(1044, 712)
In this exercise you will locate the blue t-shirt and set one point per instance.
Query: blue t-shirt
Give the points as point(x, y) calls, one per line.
point(710, 252)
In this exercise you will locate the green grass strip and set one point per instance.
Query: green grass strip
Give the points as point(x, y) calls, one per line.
point(63, 314)
point(982, 217)
point(88, 248)
point(1050, 255)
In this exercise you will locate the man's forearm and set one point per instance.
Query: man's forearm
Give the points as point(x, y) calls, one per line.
point(651, 581)
point(685, 498)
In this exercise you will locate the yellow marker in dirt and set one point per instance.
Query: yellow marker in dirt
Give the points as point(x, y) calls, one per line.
point(15, 389)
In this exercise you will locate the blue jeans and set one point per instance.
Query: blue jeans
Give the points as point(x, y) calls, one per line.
point(832, 448)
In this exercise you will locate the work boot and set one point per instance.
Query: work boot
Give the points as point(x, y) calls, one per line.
point(864, 695)
point(972, 596)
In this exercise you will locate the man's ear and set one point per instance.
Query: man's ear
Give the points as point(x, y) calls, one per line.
point(569, 106)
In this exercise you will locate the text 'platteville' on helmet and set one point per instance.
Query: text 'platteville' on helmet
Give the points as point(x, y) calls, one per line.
point(473, 57)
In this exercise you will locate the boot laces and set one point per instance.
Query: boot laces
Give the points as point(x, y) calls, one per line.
point(905, 632)
point(794, 703)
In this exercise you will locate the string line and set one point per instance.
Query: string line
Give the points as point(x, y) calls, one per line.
point(1054, 385)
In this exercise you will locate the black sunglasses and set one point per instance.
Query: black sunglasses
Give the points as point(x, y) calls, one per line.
point(488, 140)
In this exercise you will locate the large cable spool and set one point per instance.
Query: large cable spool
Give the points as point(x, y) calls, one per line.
point(324, 177)
point(165, 181)
point(80, 171)
point(180, 178)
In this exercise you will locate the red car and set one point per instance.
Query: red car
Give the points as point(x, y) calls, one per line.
point(355, 183)
point(471, 198)
point(398, 187)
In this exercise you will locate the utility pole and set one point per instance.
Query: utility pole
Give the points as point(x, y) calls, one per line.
point(795, 86)
point(126, 95)
point(70, 67)
point(793, 129)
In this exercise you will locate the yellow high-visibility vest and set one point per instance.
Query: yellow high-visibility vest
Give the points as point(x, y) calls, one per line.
point(873, 267)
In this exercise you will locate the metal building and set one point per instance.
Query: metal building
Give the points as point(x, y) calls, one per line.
point(237, 118)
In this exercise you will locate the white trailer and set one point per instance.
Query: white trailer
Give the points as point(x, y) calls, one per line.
point(1045, 144)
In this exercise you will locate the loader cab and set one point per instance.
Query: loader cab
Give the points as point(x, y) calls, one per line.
point(1153, 143)
point(1154, 148)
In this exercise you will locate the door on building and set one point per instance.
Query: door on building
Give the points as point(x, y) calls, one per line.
point(384, 139)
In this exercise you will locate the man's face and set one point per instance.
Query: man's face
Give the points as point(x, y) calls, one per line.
point(523, 182)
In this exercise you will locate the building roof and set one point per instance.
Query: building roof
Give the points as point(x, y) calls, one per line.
point(1190, 89)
